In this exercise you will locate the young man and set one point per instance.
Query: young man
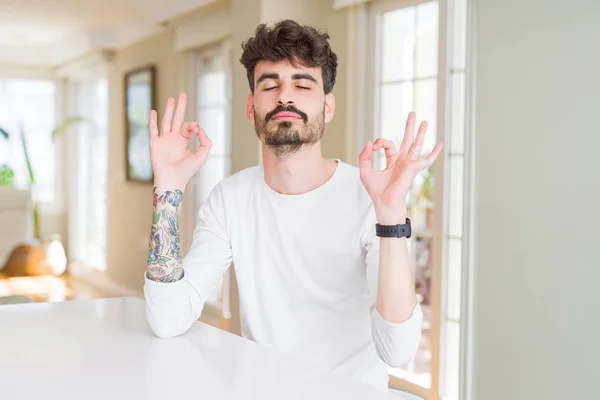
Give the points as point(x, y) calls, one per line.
point(317, 278)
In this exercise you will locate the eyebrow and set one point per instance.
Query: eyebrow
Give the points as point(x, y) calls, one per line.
point(294, 77)
point(267, 76)
point(304, 76)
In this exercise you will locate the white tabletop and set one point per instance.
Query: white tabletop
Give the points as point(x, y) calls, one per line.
point(104, 349)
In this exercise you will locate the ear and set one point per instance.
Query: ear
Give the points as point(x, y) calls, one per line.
point(250, 108)
point(329, 106)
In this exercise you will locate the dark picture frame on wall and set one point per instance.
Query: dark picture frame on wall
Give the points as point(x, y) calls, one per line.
point(140, 98)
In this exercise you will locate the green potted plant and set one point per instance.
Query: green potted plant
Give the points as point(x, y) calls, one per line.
point(57, 131)
point(34, 259)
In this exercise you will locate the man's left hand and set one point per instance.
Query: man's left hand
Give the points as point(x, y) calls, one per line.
point(388, 188)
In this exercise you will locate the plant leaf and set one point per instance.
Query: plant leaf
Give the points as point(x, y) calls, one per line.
point(65, 125)
point(24, 143)
point(7, 175)
point(4, 133)
point(156, 218)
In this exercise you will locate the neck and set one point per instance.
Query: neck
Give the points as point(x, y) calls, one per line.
point(298, 173)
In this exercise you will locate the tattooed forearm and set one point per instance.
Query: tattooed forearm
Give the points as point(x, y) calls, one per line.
point(164, 258)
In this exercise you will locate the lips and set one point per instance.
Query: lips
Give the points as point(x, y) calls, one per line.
point(286, 115)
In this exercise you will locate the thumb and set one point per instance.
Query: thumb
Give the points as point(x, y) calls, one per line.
point(365, 157)
point(204, 146)
point(187, 129)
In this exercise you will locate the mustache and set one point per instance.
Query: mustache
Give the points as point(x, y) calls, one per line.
point(279, 109)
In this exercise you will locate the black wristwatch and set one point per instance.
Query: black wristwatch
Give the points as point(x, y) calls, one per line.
point(400, 230)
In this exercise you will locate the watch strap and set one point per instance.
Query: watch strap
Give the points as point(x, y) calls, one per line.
point(400, 230)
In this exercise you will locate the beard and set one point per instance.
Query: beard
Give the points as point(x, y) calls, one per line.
point(285, 139)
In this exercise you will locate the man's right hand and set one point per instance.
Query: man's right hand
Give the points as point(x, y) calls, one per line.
point(172, 161)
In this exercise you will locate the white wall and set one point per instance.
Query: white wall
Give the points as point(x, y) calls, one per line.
point(130, 203)
point(537, 270)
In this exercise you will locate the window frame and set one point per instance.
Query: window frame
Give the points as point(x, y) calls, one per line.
point(363, 28)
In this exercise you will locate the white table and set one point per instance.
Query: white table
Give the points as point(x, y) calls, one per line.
point(104, 349)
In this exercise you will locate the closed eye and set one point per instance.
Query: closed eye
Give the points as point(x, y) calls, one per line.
point(270, 88)
point(303, 87)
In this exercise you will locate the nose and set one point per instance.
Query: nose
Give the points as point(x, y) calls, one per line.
point(285, 103)
point(284, 97)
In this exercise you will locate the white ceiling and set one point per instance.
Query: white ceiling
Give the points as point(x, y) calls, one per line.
point(44, 21)
point(51, 32)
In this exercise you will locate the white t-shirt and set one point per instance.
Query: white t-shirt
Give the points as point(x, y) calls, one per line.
point(306, 268)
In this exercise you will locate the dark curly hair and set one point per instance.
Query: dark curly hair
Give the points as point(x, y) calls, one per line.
point(288, 40)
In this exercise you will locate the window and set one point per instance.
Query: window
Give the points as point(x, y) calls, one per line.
point(30, 104)
point(89, 152)
point(406, 79)
point(407, 75)
point(213, 112)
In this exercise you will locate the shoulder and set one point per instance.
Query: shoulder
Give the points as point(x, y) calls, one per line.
point(230, 191)
point(352, 186)
point(240, 182)
point(359, 200)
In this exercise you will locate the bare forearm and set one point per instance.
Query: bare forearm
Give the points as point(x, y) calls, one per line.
point(164, 257)
point(396, 298)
